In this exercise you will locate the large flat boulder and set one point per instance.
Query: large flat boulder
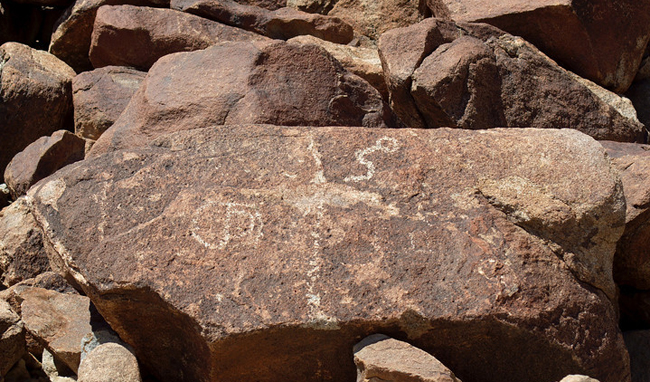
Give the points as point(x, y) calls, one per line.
point(245, 82)
point(601, 40)
point(476, 76)
point(152, 33)
point(265, 253)
point(35, 97)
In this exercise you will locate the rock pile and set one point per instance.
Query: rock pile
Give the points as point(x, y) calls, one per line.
point(316, 190)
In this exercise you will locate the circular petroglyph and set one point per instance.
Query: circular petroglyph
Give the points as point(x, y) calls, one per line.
point(218, 224)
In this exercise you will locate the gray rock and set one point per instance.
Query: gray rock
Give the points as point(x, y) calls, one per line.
point(109, 362)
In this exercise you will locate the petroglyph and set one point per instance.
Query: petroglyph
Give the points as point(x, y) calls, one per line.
point(319, 178)
point(385, 144)
point(241, 223)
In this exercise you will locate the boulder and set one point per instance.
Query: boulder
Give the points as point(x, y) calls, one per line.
point(476, 76)
point(282, 23)
point(22, 255)
point(265, 253)
point(100, 96)
point(364, 62)
point(42, 158)
point(601, 40)
point(109, 362)
point(247, 82)
point(72, 32)
point(35, 97)
point(58, 321)
point(381, 358)
point(578, 378)
point(153, 33)
point(638, 345)
point(632, 260)
point(12, 338)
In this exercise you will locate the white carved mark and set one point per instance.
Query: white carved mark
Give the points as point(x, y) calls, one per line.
point(319, 177)
point(385, 144)
point(240, 222)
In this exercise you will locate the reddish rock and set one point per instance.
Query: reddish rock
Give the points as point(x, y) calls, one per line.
point(252, 82)
point(280, 248)
point(35, 97)
point(42, 158)
point(153, 33)
point(483, 79)
point(601, 40)
point(22, 255)
point(381, 358)
point(72, 32)
point(100, 96)
point(12, 338)
point(282, 23)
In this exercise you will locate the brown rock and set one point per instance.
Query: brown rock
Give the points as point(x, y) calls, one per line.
point(58, 321)
point(153, 33)
point(638, 345)
point(72, 32)
point(22, 255)
point(35, 97)
point(381, 358)
point(632, 261)
point(42, 158)
point(282, 23)
point(283, 247)
point(100, 96)
point(364, 62)
point(12, 338)
point(249, 82)
point(599, 39)
point(109, 362)
point(483, 79)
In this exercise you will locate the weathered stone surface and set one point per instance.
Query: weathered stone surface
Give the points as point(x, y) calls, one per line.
point(282, 247)
point(109, 362)
point(475, 76)
point(578, 378)
point(72, 33)
point(632, 260)
point(12, 338)
point(364, 62)
point(35, 97)
point(251, 82)
point(100, 96)
point(153, 33)
point(601, 40)
point(638, 345)
point(42, 158)
point(58, 321)
point(22, 255)
point(381, 358)
point(282, 23)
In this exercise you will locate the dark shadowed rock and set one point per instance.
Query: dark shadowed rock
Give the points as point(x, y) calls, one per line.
point(601, 40)
point(35, 97)
point(72, 33)
point(12, 338)
point(152, 33)
point(19, 22)
point(632, 261)
point(476, 76)
point(381, 358)
point(22, 255)
point(265, 253)
point(252, 82)
point(282, 23)
point(42, 158)
point(638, 345)
point(100, 96)
point(639, 94)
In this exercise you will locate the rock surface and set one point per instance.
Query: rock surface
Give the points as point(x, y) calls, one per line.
point(153, 33)
point(599, 39)
point(100, 96)
point(381, 358)
point(283, 247)
point(109, 362)
point(251, 82)
point(42, 158)
point(475, 76)
point(639, 94)
point(578, 378)
point(12, 338)
point(22, 255)
point(35, 97)
point(282, 23)
point(638, 345)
